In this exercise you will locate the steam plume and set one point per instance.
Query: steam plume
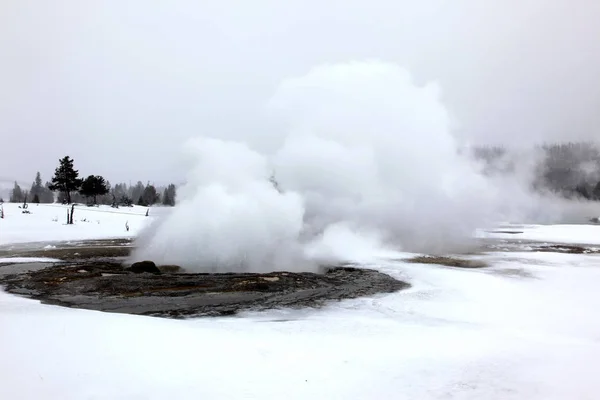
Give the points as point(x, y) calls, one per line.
point(362, 153)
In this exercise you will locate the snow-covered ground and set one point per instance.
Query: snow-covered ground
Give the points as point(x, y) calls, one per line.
point(526, 328)
point(569, 234)
point(47, 222)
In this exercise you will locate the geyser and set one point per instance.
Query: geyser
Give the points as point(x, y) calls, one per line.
point(362, 152)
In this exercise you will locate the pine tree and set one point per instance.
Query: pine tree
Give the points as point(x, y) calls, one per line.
point(126, 201)
point(169, 195)
point(166, 200)
point(107, 197)
point(16, 195)
point(36, 187)
point(596, 192)
point(66, 178)
point(40, 191)
point(47, 194)
point(150, 196)
point(93, 186)
point(136, 191)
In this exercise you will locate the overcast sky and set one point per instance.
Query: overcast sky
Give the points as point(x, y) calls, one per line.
point(120, 85)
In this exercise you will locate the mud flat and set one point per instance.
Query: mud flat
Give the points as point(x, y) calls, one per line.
point(108, 286)
point(104, 249)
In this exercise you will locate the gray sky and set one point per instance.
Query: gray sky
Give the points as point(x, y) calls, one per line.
point(119, 85)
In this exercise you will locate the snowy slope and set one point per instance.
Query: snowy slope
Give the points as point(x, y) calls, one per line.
point(47, 222)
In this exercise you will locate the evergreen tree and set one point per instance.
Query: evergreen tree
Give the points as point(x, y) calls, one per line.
point(596, 192)
point(40, 191)
point(66, 178)
point(169, 195)
point(16, 195)
point(137, 191)
point(582, 191)
point(47, 195)
point(93, 186)
point(150, 196)
point(36, 187)
point(107, 197)
point(166, 200)
point(119, 191)
point(126, 201)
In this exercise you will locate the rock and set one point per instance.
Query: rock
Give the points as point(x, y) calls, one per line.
point(143, 266)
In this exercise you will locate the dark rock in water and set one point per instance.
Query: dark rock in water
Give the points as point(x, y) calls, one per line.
point(106, 286)
point(143, 266)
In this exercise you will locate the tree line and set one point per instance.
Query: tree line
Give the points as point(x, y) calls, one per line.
point(67, 187)
point(569, 169)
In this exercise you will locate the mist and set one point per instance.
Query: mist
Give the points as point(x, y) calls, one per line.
point(364, 155)
point(364, 151)
point(114, 78)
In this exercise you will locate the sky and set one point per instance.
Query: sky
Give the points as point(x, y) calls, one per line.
point(120, 86)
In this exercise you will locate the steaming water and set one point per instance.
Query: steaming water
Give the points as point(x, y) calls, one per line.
point(364, 158)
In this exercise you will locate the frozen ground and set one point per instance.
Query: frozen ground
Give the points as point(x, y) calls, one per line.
point(568, 234)
point(13, 260)
point(47, 222)
point(525, 328)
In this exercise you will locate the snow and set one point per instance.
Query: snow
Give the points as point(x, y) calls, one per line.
point(567, 234)
point(14, 260)
point(47, 222)
point(525, 328)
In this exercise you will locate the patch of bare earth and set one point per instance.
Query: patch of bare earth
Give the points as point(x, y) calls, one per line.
point(447, 261)
point(514, 272)
point(567, 249)
point(109, 286)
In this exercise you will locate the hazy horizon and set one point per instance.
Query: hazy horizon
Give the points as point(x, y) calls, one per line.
point(121, 86)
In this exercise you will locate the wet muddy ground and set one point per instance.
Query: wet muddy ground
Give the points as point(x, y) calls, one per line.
point(71, 251)
point(108, 287)
point(92, 276)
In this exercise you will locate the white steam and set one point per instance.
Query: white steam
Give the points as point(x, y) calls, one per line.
point(230, 217)
point(364, 153)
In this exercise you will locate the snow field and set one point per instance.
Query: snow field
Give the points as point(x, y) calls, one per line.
point(525, 328)
point(47, 222)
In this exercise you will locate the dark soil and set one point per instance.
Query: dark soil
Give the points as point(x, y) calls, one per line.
point(74, 251)
point(107, 286)
point(447, 261)
point(564, 248)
